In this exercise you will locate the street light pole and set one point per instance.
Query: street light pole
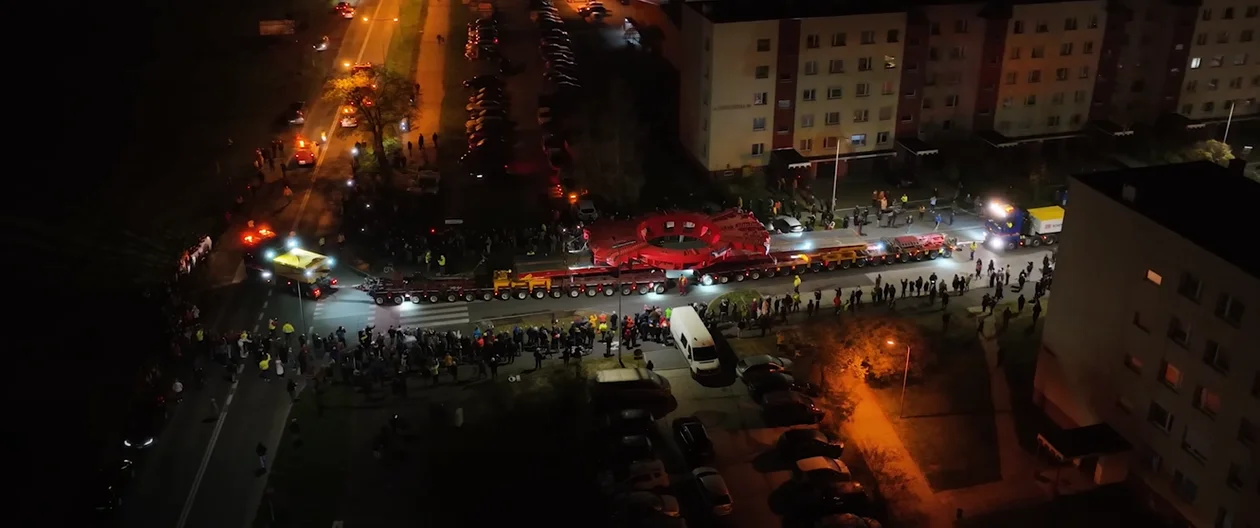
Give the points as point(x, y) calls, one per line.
point(835, 177)
point(1228, 121)
point(905, 376)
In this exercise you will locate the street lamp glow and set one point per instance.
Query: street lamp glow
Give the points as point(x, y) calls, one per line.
point(365, 19)
point(891, 342)
point(345, 64)
point(291, 243)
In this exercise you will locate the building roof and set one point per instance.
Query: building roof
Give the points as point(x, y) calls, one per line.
point(727, 11)
point(1201, 201)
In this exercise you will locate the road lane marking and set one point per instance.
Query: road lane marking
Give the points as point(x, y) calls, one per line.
point(205, 459)
point(306, 197)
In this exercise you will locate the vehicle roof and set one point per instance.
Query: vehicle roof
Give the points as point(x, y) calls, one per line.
point(625, 374)
point(300, 258)
point(803, 434)
point(712, 480)
point(788, 219)
point(817, 463)
point(764, 378)
point(634, 414)
point(761, 359)
point(686, 319)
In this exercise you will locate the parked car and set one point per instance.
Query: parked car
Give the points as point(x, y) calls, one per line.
point(713, 490)
point(693, 439)
point(766, 382)
point(633, 448)
point(789, 408)
point(822, 469)
point(762, 363)
point(145, 424)
point(786, 224)
point(630, 422)
point(795, 444)
point(831, 497)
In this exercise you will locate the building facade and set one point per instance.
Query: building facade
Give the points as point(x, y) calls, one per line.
point(828, 80)
point(1153, 330)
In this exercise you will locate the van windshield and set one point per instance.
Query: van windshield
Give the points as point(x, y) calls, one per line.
point(704, 353)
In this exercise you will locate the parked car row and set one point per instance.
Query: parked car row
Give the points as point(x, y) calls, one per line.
point(560, 73)
point(593, 9)
point(637, 478)
point(490, 132)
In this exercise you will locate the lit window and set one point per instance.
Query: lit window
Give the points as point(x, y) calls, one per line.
point(1207, 401)
point(1154, 277)
point(1170, 375)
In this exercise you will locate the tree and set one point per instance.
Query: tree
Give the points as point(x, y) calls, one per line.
point(381, 100)
point(860, 344)
point(1211, 150)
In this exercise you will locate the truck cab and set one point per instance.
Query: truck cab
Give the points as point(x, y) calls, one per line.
point(307, 273)
point(1008, 227)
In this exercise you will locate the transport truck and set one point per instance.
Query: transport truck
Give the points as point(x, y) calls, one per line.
point(1009, 227)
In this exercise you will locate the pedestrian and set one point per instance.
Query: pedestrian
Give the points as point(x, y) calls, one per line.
point(291, 388)
point(409, 147)
point(261, 450)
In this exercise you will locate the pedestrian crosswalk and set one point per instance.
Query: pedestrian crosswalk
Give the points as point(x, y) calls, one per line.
point(430, 315)
point(336, 312)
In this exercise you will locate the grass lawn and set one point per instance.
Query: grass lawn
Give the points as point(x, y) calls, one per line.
point(404, 45)
point(947, 422)
point(306, 481)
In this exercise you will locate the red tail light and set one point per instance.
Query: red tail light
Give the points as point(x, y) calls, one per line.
point(315, 292)
point(334, 282)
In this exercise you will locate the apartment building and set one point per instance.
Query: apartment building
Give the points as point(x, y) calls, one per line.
point(1224, 64)
point(819, 79)
point(1152, 338)
point(952, 79)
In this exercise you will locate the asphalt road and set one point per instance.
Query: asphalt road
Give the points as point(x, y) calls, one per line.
point(201, 470)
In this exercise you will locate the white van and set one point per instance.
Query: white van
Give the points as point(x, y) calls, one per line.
point(694, 341)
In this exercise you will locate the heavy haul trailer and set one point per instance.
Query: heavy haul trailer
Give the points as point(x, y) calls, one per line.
point(851, 253)
point(506, 284)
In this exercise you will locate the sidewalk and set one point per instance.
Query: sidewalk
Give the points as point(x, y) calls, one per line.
point(431, 71)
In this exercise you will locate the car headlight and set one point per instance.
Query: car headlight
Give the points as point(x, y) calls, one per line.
point(148, 442)
point(126, 443)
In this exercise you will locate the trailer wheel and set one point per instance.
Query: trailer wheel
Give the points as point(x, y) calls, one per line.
point(917, 257)
point(485, 296)
point(469, 297)
point(627, 289)
point(723, 279)
point(903, 257)
point(861, 263)
point(660, 288)
point(521, 294)
point(539, 294)
point(451, 297)
point(846, 264)
point(433, 298)
point(575, 293)
point(504, 295)
point(933, 255)
point(416, 298)
point(609, 291)
point(557, 293)
point(1052, 240)
point(642, 289)
point(831, 266)
point(755, 274)
point(380, 300)
point(398, 299)
point(739, 277)
point(591, 292)
point(1036, 242)
point(1010, 246)
point(771, 273)
point(707, 280)
point(816, 267)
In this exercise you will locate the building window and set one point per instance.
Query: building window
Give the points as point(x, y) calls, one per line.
point(1246, 433)
point(838, 39)
point(759, 98)
point(890, 62)
point(1216, 357)
point(812, 41)
point(868, 37)
point(1184, 488)
point(885, 113)
point(1038, 52)
point(835, 92)
point(811, 67)
point(1200, 39)
point(951, 101)
point(831, 142)
point(1217, 61)
point(758, 149)
point(1133, 363)
point(1079, 96)
point(1178, 331)
point(863, 89)
point(1087, 48)
point(934, 54)
point(1235, 83)
point(807, 121)
point(1018, 27)
point(861, 116)
point(1192, 86)
point(1043, 27)
point(958, 52)
point(1137, 321)
point(785, 104)
point(1084, 72)
point(1169, 375)
point(1053, 121)
point(1093, 22)
point(1031, 100)
point(1012, 77)
point(1061, 74)
point(1230, 309)
point(1003, 126)
point(1246, 36)
point(1251, 12)
point(1015, 52)
point(927, 103)
point(960, 26)
point(1193, 442)
point(858, 140)
point(1195, 62)
point(864, 64)
point(1214, 85)
point(1190, 287)
point(1069, 24)
point(934, 29)
point(1065, 49)
point(831, 118)
point(887, 88)
point(1034, 76)
point(759, 124)
point(763, 72)
point(893, 35)
point(809, 94)
point(1159, 417)
point(763, 44)
point(881, 138)
point(1234, 477)
point(1209, 107)
point(807, 144)
point(1154, 278)
point(1228, 14)
point(1207, 401)
point(835, 66)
